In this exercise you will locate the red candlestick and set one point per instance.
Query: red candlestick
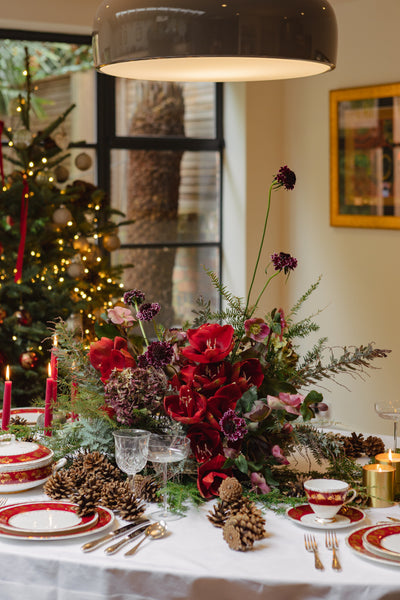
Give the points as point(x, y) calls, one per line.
point(74, 391)
point(54, 367)
point(6, 401)
point(48, 403)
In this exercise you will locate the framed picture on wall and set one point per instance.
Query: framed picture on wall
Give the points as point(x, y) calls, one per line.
point(365, 156)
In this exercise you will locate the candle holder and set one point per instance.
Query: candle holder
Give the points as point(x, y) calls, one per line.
point(393, 460)
point(378, 479)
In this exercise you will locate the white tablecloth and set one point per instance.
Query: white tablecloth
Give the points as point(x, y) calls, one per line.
point(194, 562)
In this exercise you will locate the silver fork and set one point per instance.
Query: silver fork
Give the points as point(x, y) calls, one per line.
point(311, 545)
point(331, 542)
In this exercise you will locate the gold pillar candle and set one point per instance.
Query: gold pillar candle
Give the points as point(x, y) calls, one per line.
point(378, 479)
point(393, 460)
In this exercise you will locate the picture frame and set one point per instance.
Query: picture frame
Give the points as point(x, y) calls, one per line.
point(365, 157)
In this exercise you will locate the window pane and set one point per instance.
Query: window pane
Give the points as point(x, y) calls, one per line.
point(62, 75)
point(163, 109)
point(174, 277)
point(171, 196)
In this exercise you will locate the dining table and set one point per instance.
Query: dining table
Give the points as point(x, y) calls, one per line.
point(193, 562)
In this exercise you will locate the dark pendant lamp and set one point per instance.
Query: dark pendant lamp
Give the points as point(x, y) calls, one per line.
point(214, 40)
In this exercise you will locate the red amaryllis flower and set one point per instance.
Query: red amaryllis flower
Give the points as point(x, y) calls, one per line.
point(106, 355)
point(205, 441)
point(224, 399)
point(248, 373)
point(209, 343)
point(189, 407)
point(210, 476)
point(207, 378)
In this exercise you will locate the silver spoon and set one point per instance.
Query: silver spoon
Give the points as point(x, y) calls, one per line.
point(154, 531)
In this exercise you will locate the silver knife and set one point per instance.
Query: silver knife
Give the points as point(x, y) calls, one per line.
point(133, 527)
point(125, 540)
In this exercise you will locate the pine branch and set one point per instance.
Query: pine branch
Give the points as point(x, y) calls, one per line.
point(295, 309)
point(353, 362)
point(234, 301)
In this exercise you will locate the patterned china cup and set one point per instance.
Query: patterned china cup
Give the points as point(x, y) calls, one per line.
point(327, 496)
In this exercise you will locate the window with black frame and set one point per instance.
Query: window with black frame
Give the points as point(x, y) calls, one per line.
point(154, 148)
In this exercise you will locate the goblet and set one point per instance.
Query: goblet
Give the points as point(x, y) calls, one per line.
point(131, 450)
point(166, 449)
point(390, 410)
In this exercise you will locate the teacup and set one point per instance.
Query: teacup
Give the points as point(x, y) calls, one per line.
point(327, 496)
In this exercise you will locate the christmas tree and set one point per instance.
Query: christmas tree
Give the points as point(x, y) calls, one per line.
point(54, 250)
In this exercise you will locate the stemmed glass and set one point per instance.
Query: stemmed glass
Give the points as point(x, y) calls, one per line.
point(166, 449)
point(131, 450)
point(390, 410)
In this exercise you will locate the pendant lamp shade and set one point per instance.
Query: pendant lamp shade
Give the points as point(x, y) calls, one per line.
point(214, 40)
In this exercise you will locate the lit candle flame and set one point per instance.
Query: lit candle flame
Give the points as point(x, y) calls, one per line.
point(8, 373)
point(390, 454)
point(379, 468)
point(49, 370)
point(55, 340)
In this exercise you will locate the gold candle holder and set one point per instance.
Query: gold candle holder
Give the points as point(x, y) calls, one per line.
point(393, 460)
point(378, 479)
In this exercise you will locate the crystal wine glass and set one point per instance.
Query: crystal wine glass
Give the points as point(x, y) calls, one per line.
point(131, 450)
point(166, 449)
point(390, 410)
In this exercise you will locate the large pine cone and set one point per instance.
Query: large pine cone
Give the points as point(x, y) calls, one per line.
point(219, 514)
point(78, 476)
point(59, 486)
point(111, 493)
point(242, 530)
point(373, 445)
point(87, 500)
point(230, 490)
point(295, 488)
point(107, 472)
point(95, 461)
point(146, 488)
point(129, 507)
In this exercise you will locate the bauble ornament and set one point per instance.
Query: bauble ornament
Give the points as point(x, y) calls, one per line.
point(28, 360)
point(75, 270)
point(81, 244)
point(42, 177)
point(61, 173)
point(23, 317)
point(83, 161)
point(22, 138)
point(111, 242)
point(62, 215)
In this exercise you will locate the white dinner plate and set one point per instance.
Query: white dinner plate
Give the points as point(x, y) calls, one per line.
point(29, 413)
point(305, 516)
point(383, 540)
point(36, 518)
point(105, 519)
point(355, 543)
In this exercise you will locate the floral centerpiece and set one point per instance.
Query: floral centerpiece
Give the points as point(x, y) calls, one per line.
point(232, 381)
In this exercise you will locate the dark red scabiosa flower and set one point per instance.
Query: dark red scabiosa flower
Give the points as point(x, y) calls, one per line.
point(285, 178)
point(134, 297)
point(148, 311)
point(188, 407)
point(157, 355)
point(209, 343)
point(106, 355)
point(210, 476)
point(284, 262)
point(233, 427)
point(205, 441)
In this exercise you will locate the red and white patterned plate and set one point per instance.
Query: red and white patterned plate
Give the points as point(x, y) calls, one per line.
point(44, 518)
point(384, 540)
point(355, 542)
point(105, 519)
point(29, 413)
point(346, 517)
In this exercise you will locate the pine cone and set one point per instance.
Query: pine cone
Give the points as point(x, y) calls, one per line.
point(129, 507)
point(86, 500)
point(94, 461)
point(219, 514)
point(111, 493)
point(230, 489)
point(373, 445)
point(353, 445)
point(146, 488)
point(59, 485)
point(93, 486)
point(78, 459)
point(78, 476)
point(242, 530)
point(295, 487)
point(107, 472)
point(17, 420)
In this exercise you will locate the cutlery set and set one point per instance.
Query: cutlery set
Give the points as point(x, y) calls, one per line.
point(133, 530)
point(331, 543)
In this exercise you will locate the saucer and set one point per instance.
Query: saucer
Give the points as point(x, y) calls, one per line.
point(346, 517)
